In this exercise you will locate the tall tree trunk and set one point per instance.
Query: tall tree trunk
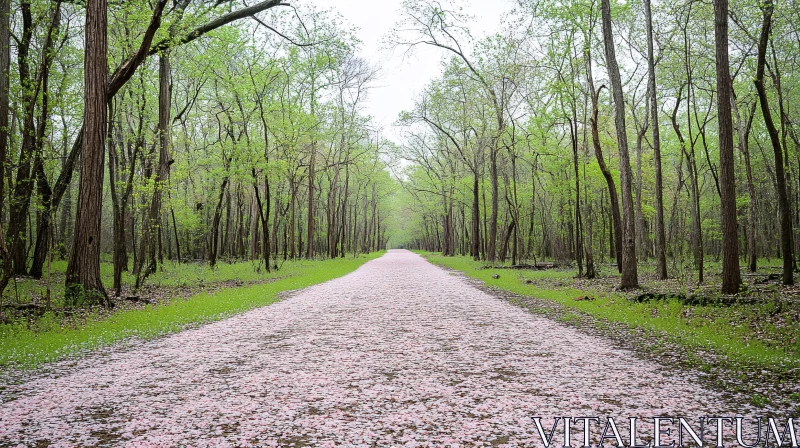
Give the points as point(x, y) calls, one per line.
point(44, 231)
point(5, 64)
point(661, 257)
point(730, 233)
point(23, 183)
point(630, 277)
point(616, 218)
point(787, 251)
point(83, 281)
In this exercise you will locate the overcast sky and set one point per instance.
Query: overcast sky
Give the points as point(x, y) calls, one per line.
point(402, 78)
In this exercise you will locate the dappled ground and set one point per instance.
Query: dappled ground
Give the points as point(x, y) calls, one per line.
point(397, 352)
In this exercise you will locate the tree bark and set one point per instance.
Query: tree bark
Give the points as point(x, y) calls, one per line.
point(660, 247)
point(616, 228)
point(23, 183)
point(83, 281)
point(787, 251)
point(5, 64)
point(43, 234)
point(730, 235)
point(630, 277)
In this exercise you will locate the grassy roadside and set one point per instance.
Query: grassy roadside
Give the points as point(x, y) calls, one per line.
point(740, 347)
point(23, 345)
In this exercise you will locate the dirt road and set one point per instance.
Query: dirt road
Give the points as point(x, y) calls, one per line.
point(398, 353)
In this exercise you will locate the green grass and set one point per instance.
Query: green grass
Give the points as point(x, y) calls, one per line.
point(739, 332)
point(23, 345)
point(172, 274)
point(198, 274)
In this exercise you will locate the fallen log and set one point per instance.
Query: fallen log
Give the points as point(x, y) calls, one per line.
point(696, 299)
point(534, 267)
point(23, 307)
point(30, 309)
point(768, 278)
point(138, 299)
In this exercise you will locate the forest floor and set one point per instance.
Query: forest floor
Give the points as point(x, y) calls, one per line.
point(746, 346)
point(399, 352)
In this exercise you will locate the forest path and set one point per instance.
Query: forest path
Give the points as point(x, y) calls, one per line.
point(396, 352)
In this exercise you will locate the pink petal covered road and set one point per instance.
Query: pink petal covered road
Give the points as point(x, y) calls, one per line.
point(398, 353)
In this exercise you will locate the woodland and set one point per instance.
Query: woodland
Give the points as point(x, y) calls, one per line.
point(186, 131)
point(661, 137)
point(602, 135)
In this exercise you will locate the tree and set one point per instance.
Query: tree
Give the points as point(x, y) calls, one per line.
point(83, 271)
point(630, 277)
point(784, 209)
point(660, 249)
point(5, 62)
point(609, 178)
point(550, 102)
point(727, 179)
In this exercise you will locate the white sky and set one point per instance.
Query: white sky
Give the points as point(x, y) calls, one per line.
point(402, 78)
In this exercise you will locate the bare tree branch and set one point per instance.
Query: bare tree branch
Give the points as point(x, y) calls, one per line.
point(214, 24)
